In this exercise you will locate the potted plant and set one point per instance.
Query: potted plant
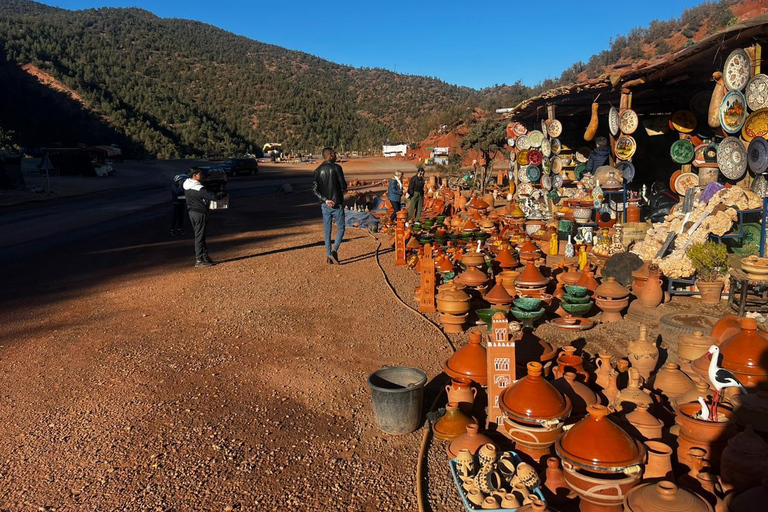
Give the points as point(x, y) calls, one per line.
point(711, 263)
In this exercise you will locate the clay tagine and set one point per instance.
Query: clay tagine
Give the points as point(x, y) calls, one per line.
point(692, 346)
point(664, 497)
point(452, 424)
point(473, 259)
point(611, 298)
point(469, 362)
point(531, 276)
point(505, 259)
point(745, 354)
point(472, 277)
point(498, 297)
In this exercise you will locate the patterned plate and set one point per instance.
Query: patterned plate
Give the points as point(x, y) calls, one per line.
point(682, 151)
point(535, 138)
point(511, 142)
point(525, 189)
point(627, 171)
point(557, 180)
point(555, 128)
point(628, 122)
point(523, 143)
point(732, 158)
point(523, 175)
point(736, 70)
point(519, 129)
point(700, 156)
point(757, 155)
point(756, 125)
point(684, 121)
point(522, 156)
point(685, 181)
point(757, 92)
point(613, 121)
point(544, 128)
point(733, 112)
point(512, 157)
point(625, 147)
point(535, 157)
point(556, 164)
point(556, 146)
point(546, 148)
point(546, 182)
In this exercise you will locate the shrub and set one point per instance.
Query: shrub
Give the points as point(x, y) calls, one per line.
point(709, 259)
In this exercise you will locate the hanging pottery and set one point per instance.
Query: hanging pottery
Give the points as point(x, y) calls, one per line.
point(546, 148)
point(685, 181)
point(684, 121)
point(627, 171)
point(757, 92)
point(523, 142)
point(511, 142)
point(510, 130)
point(613, 121)
point(535, 157)
point(732, 158)
point(556, 146)
point(756, 125)
point(682, 151)
point(733, 112)
point(535, 138)
point(625, 147)
point(628, 122)
point(757, 155)
point(736, 70)
point(555, 128)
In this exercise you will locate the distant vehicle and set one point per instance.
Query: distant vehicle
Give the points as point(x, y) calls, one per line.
point(273, 151)
point(238, 166)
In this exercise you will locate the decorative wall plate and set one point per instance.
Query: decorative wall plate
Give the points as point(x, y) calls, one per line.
point(736, 70)
point(627, 170)
point(684, 121)
point(673, 180)
point(525, 189)
point(757, 155)
point(732, 158)
point(556, 146)
point(522, 156)
point(535, 138)
point(757, 92)
point(519, 129)
point(556, 164)
point(523, 143)
point(700, 156)
point(555, 128)
point(628, 121)
point(582, 155)
point(546, 182)
point(512, 157)
point(511, 142)
point(613, 121)
point(534, 173)
point(685, 181)
point(546, 148)
point(557, 180)
point(756, 125)
point(682, 151)
point(535, 157)
point(733, 112)
point(625, 147)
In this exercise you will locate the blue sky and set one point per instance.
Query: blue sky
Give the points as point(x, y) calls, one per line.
point(471, 43)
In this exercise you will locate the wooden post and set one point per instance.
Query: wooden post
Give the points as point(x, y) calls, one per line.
point(500, 352)
point(427, 273)
point(400, 238)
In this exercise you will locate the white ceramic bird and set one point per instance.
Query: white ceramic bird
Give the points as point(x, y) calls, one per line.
point(704, 414)
point(720, 378)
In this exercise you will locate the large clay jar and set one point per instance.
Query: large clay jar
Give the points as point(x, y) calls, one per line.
point(745, 354)
point(664, 496)
point(693, 346)
point(659, 462)
point(672, 382)
point(651, 294)
point(452, 424)
point(534, 412)
point(567, 360)
point(461, 392)
point(601, 462)
point(709, 435)
point(646, 424)
point(579, 394)
point(643, 354)
point(744, 462)
point(471, 440)
point(469, 362)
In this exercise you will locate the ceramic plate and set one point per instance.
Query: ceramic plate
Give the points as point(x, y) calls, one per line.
point(757, 155)
point(534, 173)
point(544, 129)
point(736, 70)
point(535, 138)
point(682, 151)
point(556, 146)
point(522, 142)
point(555, 128)
point(519, 129)
point(733, 112)
point(699, 104)
point(525, 189)
point(523, 175)
point(756, 125)
point(757, 92)
point(557, 180)
point(556, 164)
point(685, 181)
point(673, 180)
point(684, 121)
point(582, 155)
point(535, 157)
point(613, 121)
point(627, 171)
point(512, 157)
point(510, 129)
point(522, 156)
point(628, 121)
point(732, 158)
point(511, 142)
point(546, 148)
point(699, 156)
point(625, 147)
point(546, 182)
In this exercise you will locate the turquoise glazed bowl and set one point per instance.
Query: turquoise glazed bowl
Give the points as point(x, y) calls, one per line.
point(527, 303)
point(576, 291)
point(576, 309)
point(572, 299)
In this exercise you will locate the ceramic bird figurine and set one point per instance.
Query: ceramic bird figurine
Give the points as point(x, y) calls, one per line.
point(704, 414)
point(720, 378)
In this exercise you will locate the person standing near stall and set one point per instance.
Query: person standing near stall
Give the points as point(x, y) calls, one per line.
point(395, 193)
point(599, 156)
point(198, 201)
point(329, 186)
point(416, 194)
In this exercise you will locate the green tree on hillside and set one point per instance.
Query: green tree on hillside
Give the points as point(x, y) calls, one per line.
point(488, 137)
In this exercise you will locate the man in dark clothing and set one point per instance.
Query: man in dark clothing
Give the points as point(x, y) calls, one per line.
point(599, 156)
point(179, 202)
point(395, 193)
point(416, 193)
point(198, 200)
point(329, 186)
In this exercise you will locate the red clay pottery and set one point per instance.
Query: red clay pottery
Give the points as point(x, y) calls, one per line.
point(632, 393)
point(498, 297)
point(472, 277)
point(473, 259)
point(659, 461)
point(452, 300)
point(651, 294)
point(508, 280)
point(664, 496)
point(709, 435)
point(612, 389)
point(530, 276)
point(452, 424)
point(469, 362)
point(745, 354)
point(536, 505)
point(611, 308)
point(572, 277)
point(461, 392)
point(726, 327)
point(648, 425)
point(604, 368)
point(643, 354)
point(700, 389)
point(534, 412)
point(744, 462)
point(693, 346)
point(567, 360)
point(529, 246)
point(471, 440)
point(611, 289)
point(579, 394)
point(505, 259)
point(639, 278)
point(588, 280)
point(555, 479)
point(671, 381)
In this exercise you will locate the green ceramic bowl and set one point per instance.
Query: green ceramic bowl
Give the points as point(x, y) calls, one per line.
point(466, 235)
point(527, 315)
point(576, 309)
point(576, 291)
point(527, 303)
point(416, 227)
point(440, 219)
point(486, 314)
point(572, 299)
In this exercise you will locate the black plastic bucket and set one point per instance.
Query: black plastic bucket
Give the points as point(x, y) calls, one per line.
point(397, 393)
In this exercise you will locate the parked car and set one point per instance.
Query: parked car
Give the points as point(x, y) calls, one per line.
point(238, 166)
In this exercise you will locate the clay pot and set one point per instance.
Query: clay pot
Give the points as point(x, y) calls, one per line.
point(651, 294)
point(529, 247)
point(726, 327)
point(452, 424)
point(471, 440)
point(536, 505)
point(555, 479)
point(505, 259)
point(709, 435)
point(588, 280)
point(664, 496)
point(498, 297)
point(530, 276)
point(745, 353)
point(700, 389)
point(453, 324)
point(472, 277)
point(469, 362)
point(711, 291)
point(452, 301)
point(744, 461)
point(648, 425)
point(639, 278)
point(508, 280)
point(643, 354)
point(571, 277)
point(604, 368)
point(611, 289)
point(693, 346)
point(611, 309)
point(568, 361)
point(611, 391)
point(461, 392)
point(672, 382)
point(579, 394)
point(473, 258)
point(633, 211)
point(632, 393)
point(659, 462)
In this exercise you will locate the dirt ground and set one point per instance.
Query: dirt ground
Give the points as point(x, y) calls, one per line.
point(132, 381)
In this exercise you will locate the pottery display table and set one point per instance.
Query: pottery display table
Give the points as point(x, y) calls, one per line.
point(747, 293)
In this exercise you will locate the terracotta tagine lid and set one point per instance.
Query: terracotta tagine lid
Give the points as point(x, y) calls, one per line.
point(577, 392)
point(611, 289)
point(530, 276)
point(571, 277)
point(473, 259)
point(445, 265)
point(646, 423)
point(698, 342)
point(533, 399)
point(472, 277)
point(726, 327)
point(529, 246)
point(412, 243)
point(477, 204)
point(598, 444)
point(453, 293)
point(505, 259)
point(471, 440)
point(664, 497)
point(469, 362)
point(588, 280)
point(671, 381)
point(452, 424)
point(498, 294)
point(745, 353)
point(469, 225)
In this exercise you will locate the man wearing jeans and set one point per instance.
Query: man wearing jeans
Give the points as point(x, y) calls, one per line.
point(329, 186)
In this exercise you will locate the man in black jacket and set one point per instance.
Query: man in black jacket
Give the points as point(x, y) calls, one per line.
point(179, 201)
point(599, 156)
point(416, 193)
point(329, 186)
point(198, 200)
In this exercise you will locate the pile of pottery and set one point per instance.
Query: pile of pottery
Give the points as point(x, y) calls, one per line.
point(612, 299)
point(527, 310)
point(575, 301)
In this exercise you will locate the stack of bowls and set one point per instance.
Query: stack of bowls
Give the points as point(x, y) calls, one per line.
point(576, 302)
point(527, 310)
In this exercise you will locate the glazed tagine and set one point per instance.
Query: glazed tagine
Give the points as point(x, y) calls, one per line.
point(531, 282)
point(469, 362)
point(745, 353)
point(534, 412)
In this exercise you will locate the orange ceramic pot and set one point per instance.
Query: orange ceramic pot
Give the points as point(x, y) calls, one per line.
point(745, 354)
point(452, 424)
point(709, 435)
point(611, 308)
point(471, 440)
point(469, 362)
point(461, 391)
point(664, 496)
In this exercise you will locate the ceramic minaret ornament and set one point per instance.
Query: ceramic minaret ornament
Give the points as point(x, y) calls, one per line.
point(500, 351)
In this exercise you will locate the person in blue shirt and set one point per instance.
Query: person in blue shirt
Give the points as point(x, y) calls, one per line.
point(395, 193)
